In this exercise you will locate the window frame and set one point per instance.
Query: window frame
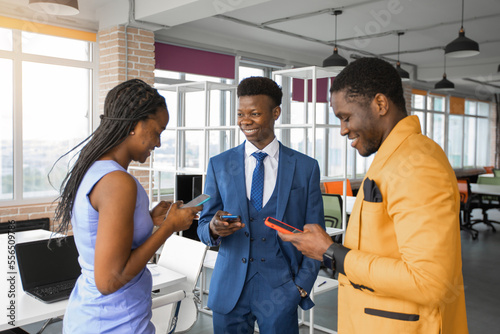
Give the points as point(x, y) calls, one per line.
point(464, 117)
point(18, 57)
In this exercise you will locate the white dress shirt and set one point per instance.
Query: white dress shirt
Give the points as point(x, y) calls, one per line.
point(270, 167)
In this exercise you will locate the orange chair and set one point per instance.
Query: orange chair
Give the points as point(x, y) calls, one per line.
point(489, 169)
point(337, 187)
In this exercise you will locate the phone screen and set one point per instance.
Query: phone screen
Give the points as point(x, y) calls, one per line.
point(280, 226)
point(197, 201)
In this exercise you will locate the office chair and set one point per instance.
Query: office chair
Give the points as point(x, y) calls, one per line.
point(489, 169)
point(166, 311)
point(184, 256)
point(337, 187)
point(496, 172)
point(208, 263)
point(485, 203)
point(332, 205)
point(466, 206)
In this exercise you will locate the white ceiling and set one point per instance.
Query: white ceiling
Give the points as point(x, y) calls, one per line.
point(364, 28)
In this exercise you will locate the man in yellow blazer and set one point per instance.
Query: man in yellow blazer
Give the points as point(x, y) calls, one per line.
point(400, 268)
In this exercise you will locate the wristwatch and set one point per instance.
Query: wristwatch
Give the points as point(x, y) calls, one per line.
point(329, 258)
point(303, 293)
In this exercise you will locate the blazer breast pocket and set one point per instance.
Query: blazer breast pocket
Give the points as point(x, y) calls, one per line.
point(376, 227)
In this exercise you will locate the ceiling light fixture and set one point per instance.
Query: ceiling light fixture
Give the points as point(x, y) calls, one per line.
point(55, 7)
point(444, 84)
point(462, 46)
point(405, 76)
point(335, 61)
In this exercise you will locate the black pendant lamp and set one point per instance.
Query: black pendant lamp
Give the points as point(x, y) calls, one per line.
point(462, 46)
point(405, 76)
point(335, 61)
point(444, 84)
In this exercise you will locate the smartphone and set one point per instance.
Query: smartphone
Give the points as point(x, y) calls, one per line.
point(280, 226)
point(197, 201)
point(231, 218)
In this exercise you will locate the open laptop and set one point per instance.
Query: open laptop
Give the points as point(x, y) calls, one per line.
point(47, 274)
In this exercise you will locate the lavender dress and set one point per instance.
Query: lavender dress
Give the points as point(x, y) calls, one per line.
point(127, 310)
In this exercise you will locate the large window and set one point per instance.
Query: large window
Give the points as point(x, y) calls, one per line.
point(430, 109)
point(476, 134)
point(6, 131)
point(45, 110)
point(300, 122)
point(202, 124)
point(459, 126)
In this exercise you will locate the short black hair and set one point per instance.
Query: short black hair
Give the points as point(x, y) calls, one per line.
point(261, 86)
point(367, 77)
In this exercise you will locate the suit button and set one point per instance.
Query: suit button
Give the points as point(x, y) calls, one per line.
point(250, 259)
point(263, 260)
point(251, 219)
point(263, 239)
point(251, 239)
point(244, 260)
point(247, 234)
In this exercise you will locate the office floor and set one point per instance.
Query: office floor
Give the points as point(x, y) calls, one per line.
point(481, 269)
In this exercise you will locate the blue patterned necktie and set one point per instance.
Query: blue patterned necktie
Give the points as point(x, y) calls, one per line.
point(258, 181)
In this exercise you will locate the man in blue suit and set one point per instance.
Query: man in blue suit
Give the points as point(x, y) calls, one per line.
point(257, 277)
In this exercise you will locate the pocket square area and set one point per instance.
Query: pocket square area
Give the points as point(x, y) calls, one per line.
point(371, 191)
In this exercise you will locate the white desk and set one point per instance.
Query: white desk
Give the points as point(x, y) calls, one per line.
point(485, 189)
point(29, 309)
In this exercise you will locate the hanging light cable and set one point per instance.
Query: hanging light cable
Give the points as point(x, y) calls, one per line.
point(335, 61)
point(405, 76)
point(444, 84)
point(462, 46)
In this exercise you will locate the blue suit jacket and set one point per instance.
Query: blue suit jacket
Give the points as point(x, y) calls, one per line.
point(299, 203)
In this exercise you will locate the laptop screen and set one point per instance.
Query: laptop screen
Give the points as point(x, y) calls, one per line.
point(39, 265)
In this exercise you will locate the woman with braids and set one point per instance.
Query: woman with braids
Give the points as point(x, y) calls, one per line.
point(109, 213)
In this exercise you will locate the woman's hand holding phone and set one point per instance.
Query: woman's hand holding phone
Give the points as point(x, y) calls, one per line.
point(181, 218)
point(159, 212)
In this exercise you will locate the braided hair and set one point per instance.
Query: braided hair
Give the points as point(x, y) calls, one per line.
point(125, 105)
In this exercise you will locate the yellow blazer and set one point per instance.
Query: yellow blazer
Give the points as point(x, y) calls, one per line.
point(404, 271)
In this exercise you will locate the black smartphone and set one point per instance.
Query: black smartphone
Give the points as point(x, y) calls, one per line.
point(197, 201)
point(231, 218)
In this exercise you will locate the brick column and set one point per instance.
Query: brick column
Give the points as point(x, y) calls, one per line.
point(113, 67)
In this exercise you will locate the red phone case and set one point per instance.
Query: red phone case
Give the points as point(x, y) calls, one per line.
point(280, 226)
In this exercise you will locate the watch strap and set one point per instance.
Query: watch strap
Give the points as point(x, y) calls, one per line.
point(329, 257)
point(335, 256)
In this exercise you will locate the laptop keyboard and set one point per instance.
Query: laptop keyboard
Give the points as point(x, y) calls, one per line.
point(53, 290)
